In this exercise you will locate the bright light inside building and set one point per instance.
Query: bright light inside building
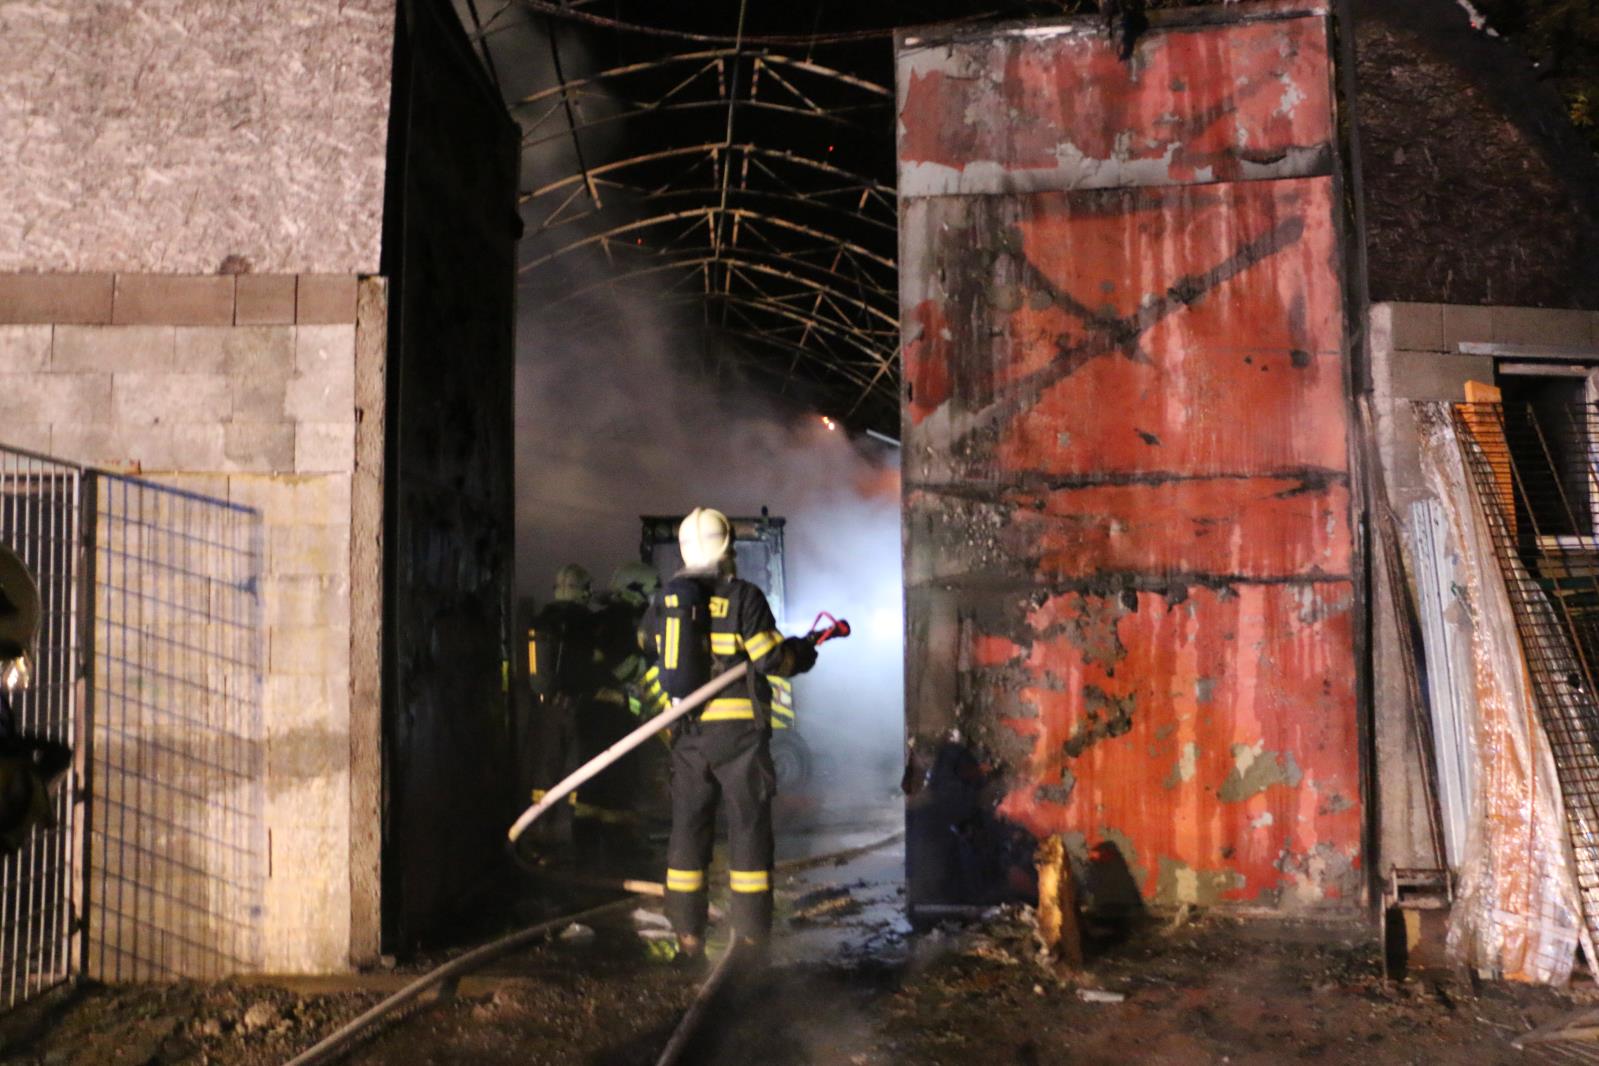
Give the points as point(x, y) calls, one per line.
point(829, 423)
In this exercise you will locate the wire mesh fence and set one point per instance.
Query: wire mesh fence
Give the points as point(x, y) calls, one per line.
point(178, 841)
point(40, 519)
point(1535, 467)
point(149, 667)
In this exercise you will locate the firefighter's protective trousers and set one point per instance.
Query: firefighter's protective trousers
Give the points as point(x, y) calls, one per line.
point(733, 761)
point(722, 753)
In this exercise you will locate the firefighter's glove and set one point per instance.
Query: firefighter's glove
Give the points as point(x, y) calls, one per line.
point(800, 652)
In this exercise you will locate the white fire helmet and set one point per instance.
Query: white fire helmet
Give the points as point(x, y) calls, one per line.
point(572, 584)
point(704, 538)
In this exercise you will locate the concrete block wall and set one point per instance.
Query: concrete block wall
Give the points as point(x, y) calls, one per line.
point(242, 388)
point(1415, 355)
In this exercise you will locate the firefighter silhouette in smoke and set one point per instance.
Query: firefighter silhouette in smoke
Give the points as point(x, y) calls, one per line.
point(574, 662)
point(704, 621)
point(29, 767)
point(621, 621)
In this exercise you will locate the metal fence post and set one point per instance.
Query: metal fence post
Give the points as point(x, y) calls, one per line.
point(89, 509)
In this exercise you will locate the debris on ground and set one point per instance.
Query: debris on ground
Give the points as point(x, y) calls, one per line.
point(648, 919)
point(260, 1015)
point(983, 947)
point(649, 925)
point(825, 904)
point(1581, 1027)
point(1159, 990)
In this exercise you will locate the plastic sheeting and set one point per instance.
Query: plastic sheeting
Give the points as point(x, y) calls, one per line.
point(1517, 912)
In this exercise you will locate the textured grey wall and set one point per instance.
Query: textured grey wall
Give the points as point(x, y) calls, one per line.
point(169, 135)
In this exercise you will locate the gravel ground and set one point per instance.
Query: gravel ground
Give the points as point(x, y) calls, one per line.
point(851, 984)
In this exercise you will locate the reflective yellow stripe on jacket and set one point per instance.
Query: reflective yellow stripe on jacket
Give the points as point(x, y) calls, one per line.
point(672, 635)
point(761, 644)
point(729, 709)
point(782, 702)
point(655, 698)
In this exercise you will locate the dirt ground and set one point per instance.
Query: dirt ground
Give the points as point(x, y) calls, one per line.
point(850, 983)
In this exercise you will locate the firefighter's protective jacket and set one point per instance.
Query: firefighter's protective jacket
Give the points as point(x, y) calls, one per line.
point(742, 627)
point(563, 651)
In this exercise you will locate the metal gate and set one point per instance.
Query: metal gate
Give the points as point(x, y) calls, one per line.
point(177, 859)
point(150, 667)
point(41, 516)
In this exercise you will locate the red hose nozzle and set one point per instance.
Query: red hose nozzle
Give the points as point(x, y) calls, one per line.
point(835, 629)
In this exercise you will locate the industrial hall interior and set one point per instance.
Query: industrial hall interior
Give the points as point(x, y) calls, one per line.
point(954, 533)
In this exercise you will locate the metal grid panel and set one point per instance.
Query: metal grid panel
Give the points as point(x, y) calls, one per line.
point(39, 519)
point(178, 838)
point(1533, 468)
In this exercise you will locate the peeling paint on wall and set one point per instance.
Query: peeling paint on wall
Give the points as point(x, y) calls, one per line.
point(1254, 771)
point(1016, 113)
point(1126, 443)
point(1186, 766)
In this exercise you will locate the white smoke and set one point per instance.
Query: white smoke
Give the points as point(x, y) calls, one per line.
point(616, 418)
point(614, 422)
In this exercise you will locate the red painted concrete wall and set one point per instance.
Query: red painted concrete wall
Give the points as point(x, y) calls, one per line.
point(1128, 554)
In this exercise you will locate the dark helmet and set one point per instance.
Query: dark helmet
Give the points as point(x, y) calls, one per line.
point(634, 584)
point(572, 584)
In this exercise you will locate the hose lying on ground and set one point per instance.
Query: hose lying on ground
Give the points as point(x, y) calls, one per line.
point(494, 949)
point(696, 1011)
point(325, 1049)
point(707, 994)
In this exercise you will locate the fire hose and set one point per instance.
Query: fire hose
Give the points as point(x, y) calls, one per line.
point(836, 628)
point(331, 1046)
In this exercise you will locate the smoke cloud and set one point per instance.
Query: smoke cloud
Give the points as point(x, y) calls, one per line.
point(614, 421)
point(618, 415)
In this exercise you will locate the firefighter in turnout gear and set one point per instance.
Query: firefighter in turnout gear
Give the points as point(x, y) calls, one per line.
point(632, 587)
point(30, 768)
point(702, 623)
point(577, 656)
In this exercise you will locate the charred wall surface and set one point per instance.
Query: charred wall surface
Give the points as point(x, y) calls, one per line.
point(1131, 612)
point(449, 250)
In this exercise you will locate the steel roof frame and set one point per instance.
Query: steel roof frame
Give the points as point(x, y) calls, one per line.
point(792, 254)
